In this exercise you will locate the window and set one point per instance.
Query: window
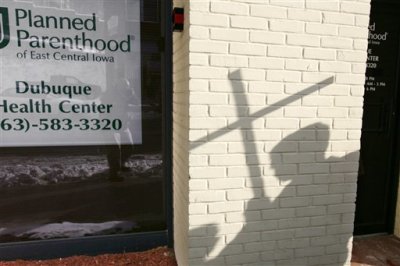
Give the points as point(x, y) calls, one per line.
point(89, 160)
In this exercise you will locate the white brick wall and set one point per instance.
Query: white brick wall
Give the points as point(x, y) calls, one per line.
point(267, 120)
point(181, 135)
point(397, 218)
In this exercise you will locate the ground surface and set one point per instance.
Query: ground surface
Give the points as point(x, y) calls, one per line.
point(376, 251)
point(155, 257)
point(367, 251)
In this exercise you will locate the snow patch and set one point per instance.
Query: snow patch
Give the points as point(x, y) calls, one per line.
point(70, 230)
point(42, 171)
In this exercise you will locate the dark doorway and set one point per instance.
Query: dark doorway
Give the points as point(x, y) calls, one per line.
point(377, 180)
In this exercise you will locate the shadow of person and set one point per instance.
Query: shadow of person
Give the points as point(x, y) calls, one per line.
point(295, 213)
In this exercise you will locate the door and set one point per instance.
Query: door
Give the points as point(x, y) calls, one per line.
point(376, 180)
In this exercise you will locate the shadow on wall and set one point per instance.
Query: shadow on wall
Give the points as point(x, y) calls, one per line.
point(282, 222)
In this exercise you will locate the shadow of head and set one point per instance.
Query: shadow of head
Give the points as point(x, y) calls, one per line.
point(299, 147)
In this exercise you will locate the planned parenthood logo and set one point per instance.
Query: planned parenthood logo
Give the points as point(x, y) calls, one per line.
point(4, 27)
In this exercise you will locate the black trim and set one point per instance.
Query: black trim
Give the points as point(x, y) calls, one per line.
point(51, 249)
point(167, 125)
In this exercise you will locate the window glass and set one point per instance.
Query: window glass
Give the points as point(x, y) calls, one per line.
point(81, 137)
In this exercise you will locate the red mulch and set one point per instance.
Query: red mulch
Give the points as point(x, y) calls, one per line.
point(161, 256)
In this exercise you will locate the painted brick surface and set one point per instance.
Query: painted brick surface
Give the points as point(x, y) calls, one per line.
point(397, 219)
point(268, 98)
point(181, 137)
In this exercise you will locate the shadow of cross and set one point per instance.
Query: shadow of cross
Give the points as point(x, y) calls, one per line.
point(255, 171)
point(267, 110)
point(243, 124)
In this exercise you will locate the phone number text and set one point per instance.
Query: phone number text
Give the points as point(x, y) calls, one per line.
point(56, 124)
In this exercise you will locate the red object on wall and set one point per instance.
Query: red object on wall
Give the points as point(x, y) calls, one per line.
point(178, 19)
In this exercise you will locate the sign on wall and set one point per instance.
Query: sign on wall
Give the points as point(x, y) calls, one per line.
point(70, 73)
